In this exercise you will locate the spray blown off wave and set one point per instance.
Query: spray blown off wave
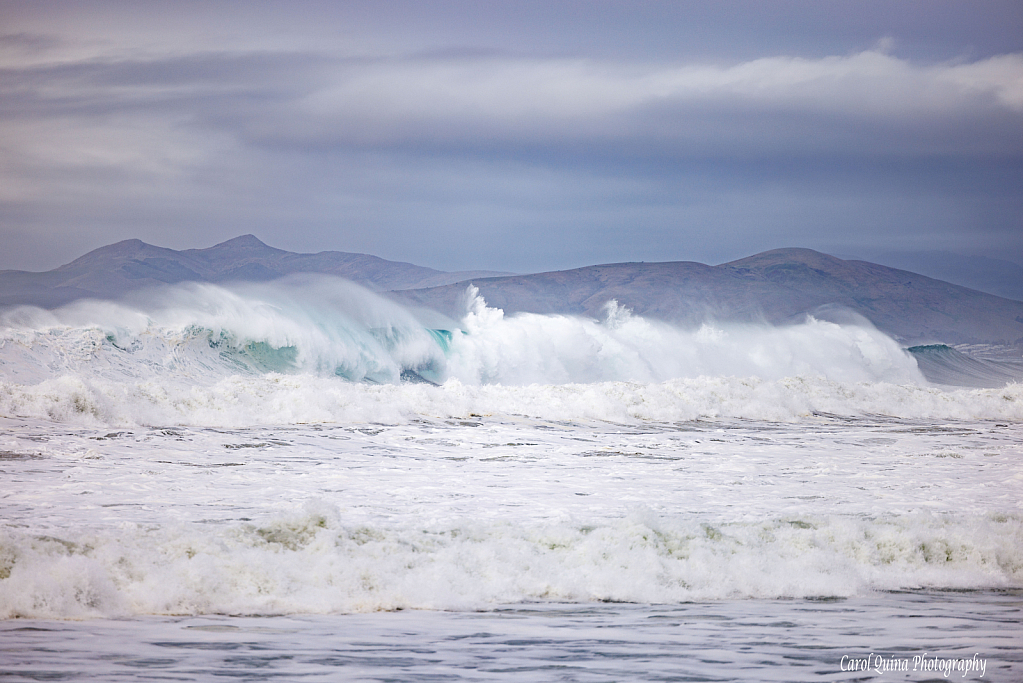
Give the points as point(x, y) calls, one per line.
point(197, 334)
point(323, 350)
point(333, 328)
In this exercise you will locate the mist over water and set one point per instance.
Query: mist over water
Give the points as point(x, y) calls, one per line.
point(323, 327)
point(319, 349)
point(199, 333)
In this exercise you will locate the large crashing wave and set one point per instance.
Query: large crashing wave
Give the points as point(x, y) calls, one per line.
point(322, 349)
point(200, 333)
point(324, 327)
point(554, 349)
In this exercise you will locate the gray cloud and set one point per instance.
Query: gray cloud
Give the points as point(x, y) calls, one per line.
point(476, 154)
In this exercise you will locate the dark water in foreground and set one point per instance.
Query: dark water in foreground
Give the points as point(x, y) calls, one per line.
point(747, 640)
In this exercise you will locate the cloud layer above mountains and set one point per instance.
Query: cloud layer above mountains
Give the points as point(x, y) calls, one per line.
point(511, 135)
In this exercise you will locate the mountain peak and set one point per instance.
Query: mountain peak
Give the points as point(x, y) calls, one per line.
point(118, 250)
point(786, 255)
point(248, 241)
point(244, 247)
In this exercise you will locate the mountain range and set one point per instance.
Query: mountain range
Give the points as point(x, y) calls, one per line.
point(111, 271)
point(776, 286)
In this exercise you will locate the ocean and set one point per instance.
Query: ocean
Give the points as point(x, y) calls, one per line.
point(305, 481)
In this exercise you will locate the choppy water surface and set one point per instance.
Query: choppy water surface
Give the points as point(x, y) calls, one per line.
point(229, 485)
point(466, 514)
point(763, 640)
point(501, 542)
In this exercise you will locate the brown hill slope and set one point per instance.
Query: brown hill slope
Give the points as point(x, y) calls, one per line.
point(775, 286)
point(113, 270)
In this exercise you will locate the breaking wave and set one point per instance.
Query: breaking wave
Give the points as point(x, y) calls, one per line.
point(321, 350)
point(945, 365)
point(312, 562)
point(324, 350)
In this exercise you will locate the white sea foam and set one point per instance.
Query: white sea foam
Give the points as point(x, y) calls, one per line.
point(313, 562)
point(553, 458)
point(553, 349)
point(282, 399)
point(197, 333)
point(331, 327)
point(323, 350)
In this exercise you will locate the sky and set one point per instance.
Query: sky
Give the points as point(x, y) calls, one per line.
point(513, 136)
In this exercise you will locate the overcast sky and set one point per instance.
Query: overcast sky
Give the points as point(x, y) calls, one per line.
point(516, 136)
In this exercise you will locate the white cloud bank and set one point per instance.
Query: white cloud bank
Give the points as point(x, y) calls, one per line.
point(872, 83)
point(248, 140)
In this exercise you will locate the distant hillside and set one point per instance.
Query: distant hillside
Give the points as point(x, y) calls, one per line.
point(994, 276)
point(775, 286)
point(113, 270)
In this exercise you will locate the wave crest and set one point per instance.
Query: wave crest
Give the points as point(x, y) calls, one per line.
point(324, 350)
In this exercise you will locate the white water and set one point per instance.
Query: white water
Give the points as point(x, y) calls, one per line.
point(253, 452)
point(204, 355)
point(470, 514)
point(200, 333)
